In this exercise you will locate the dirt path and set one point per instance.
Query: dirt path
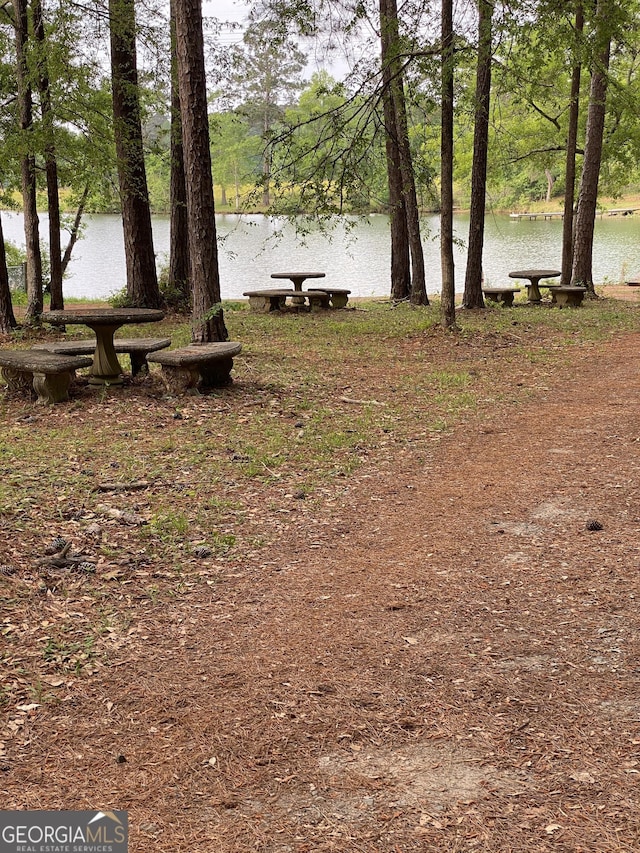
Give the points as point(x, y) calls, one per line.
point(446, 660)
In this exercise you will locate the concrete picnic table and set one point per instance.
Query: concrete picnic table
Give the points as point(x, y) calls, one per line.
point(338, 296)
point(297, 277)
point(104, 322)
point(534, 276)
point(265, 301)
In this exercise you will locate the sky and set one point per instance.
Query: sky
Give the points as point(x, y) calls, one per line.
point(231, 10)
point(236, 11)
point(226, 10)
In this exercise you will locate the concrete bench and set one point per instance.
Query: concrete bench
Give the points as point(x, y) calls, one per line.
point(196, 365)
point(562, 295)
point(503, 295)
point(136, 348)
point(49, 374)
point(265, 301)
point(338, 296)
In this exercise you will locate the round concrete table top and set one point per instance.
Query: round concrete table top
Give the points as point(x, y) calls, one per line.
point(103, 316)
point(531, 274)
point(106, 368)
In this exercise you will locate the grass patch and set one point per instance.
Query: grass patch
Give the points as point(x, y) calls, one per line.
point(316, 399)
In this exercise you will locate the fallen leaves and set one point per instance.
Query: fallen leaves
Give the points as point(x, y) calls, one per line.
point(125, 517)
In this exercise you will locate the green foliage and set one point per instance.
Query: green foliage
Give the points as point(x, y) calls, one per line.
point(120, 299)
point(279, 142)
point(330, 158)
point(15, 254)
point(158, 168)
point(175, 299)
point(236, 156)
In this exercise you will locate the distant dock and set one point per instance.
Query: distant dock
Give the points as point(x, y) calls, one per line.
point(559, 214)
point(549, 215)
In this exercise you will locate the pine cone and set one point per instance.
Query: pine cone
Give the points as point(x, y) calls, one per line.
point(5, 571)
point(56, 545)
point(593, 524)
point(202, 551)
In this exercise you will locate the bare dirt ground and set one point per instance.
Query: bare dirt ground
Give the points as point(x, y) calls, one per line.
point(441, 657)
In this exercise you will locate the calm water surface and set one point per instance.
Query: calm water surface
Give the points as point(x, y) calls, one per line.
point(252, 248)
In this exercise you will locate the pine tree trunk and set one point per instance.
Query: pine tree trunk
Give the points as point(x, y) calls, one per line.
point(179, 229)
point(28, 168)
point(550, 182)
point(208, 319)
point(266, 177)
point(400, 258)
point(570, 165)
point(51, 165)
point(418, 295)
point(142, 278)
point(75, 229)
point(448, 303)
point(582, 269)
point(7, 318)
point(389, 25)
point(472, 297)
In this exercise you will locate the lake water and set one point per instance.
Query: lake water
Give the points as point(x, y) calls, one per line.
point(252, 248)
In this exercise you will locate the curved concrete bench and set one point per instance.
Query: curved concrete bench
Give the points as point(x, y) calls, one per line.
point(274, 299)
point(197, 365)
point(563, 296)
point(48, 373)
point(339, 296)
point(503, 295)
point(136, 348)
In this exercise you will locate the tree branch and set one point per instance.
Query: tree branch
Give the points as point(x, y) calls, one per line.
point(549, 150)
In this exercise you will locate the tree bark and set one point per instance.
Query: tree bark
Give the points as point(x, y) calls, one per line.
point(389, 24)
point(179, 229)
point(28, 167)
point(418, 295)
point(266, 167)
point(75, 229)
point(472, 297)
point(400, 258)
point(207, 317)
point(7, 318)
point(550, 182)
point(570, 164)
point(582, 269)
point(142, 278)
point(448, 303)
point(51, 165)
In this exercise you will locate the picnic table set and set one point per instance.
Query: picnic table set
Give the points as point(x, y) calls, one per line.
point(561, 295)
point(48, 368)
point(319, 298)
point(104, 322)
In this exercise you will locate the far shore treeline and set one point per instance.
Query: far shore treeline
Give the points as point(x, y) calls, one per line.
point(137, 108)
